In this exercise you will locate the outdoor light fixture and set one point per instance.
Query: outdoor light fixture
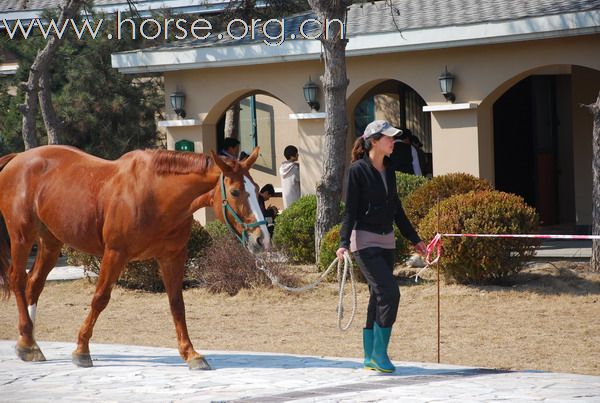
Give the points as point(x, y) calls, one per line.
point(446, 81)
point(311, 91)
point(177, 102)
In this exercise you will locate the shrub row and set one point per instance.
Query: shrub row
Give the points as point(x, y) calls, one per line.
point(466, 205)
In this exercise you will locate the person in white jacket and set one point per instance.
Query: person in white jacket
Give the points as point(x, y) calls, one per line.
point(290, 176)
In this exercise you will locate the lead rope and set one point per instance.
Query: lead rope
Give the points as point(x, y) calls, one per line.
point(341, 276)
point(435, 246)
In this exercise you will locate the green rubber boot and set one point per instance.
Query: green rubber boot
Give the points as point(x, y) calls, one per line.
point(379, 357)
point(368, 348)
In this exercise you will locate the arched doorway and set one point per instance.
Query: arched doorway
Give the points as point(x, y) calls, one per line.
point(541, 147)
point(256, 120)
point(400, 105)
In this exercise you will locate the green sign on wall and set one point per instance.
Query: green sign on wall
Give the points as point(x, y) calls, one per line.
point(184, 145)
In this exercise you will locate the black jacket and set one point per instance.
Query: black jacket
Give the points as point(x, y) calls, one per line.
point(369, 208)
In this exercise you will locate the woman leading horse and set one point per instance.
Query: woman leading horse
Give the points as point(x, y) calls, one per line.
point(135, 208)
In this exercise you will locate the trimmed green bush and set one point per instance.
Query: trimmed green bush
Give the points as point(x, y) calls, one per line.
point(217, 230)
point(295, 230)
point(418, 203)
point(144, 275)
point(482, 260)
point(407, 183)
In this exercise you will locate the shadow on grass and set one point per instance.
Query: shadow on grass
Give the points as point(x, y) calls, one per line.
point(551, 278)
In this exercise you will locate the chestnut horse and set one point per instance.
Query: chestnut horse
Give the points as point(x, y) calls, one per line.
point(137, 207)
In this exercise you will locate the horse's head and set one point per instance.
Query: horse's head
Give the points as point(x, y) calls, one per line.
point(237, 194)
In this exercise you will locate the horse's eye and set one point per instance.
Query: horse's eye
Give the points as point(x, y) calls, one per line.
point(235, 193)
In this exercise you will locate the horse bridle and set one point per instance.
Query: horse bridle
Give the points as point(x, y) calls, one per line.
point(227, 207)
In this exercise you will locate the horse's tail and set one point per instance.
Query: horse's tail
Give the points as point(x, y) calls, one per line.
point(4, 243)
point(4, 264)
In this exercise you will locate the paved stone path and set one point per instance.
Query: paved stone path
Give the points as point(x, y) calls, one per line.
point(134, 373)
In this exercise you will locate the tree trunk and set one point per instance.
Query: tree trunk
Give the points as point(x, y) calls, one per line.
point(335, 83)
point(53, 126)
point(232, 117)
point(595, 109)
point(38, 69)
point(29, 109)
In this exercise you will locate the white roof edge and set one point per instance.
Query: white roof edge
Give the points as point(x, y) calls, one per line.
point(560, 25)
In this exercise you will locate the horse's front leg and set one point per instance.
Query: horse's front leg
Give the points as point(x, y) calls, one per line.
point(172, 269)
point(112, 265)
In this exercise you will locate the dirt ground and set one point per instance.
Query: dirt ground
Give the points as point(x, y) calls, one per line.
point(548, 320)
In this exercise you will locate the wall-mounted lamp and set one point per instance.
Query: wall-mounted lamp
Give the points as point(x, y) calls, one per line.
point(311, 91)
point(178, 102)
point(446, 81)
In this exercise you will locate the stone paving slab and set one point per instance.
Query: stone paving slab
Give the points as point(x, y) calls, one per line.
point(135, 373)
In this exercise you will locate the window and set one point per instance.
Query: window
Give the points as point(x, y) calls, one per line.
point(257, 128)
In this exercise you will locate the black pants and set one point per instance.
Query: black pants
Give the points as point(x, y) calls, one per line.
point(377, 266)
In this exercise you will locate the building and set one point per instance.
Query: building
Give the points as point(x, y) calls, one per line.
point(521, 68)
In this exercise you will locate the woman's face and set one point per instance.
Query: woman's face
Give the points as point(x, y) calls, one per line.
point(385, 145)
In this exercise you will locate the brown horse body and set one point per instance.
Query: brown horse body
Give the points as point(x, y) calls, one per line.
point(137, 207)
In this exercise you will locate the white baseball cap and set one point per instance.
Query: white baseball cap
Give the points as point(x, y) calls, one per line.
point(380, 126)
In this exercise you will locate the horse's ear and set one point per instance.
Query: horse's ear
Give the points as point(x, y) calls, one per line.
point(220, 163)
point(248, 162)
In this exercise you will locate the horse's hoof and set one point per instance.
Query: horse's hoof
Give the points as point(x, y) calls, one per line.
point(29, 354)
point(198, 364)
point(82, 360)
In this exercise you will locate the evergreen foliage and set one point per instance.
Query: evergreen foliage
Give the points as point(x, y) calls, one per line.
point(294, 231)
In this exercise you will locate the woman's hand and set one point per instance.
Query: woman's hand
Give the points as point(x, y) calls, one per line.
point(340, 253)
point(420, 248)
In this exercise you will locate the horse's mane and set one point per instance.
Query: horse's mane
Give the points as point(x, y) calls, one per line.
point(173, 162)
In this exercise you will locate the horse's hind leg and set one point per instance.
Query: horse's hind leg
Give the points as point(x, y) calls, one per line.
point(27, 349)
point(172, 269)
point(47, 256)
point(113, 263)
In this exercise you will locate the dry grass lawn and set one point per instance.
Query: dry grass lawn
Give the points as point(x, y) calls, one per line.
point(548, 320)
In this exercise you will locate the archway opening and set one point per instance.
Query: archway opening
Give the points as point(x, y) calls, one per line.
point(402, 106)
point(541, 146)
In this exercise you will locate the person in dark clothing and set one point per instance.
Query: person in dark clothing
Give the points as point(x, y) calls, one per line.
point(270, 213)
point(231, 148)
point(372, 206)
point(405, 157)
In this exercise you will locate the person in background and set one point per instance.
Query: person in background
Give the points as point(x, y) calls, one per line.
point(405, 157)
point(290, 176)
point(244, 155)
point(231, 148)
point(270, 213)
point(424, 161)
point(372, 207)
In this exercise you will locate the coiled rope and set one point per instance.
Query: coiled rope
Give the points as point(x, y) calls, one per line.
point(342, 275)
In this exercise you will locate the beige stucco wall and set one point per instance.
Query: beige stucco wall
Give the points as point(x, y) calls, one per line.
point(462, 140)
point(586, 87)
